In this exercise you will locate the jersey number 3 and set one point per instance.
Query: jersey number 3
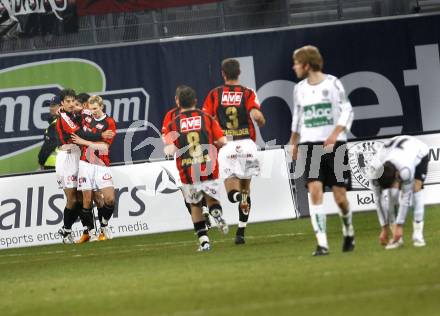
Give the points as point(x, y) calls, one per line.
point(232, 114)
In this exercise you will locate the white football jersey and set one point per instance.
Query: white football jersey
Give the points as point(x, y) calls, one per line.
point(319, 108)
point(405, 153)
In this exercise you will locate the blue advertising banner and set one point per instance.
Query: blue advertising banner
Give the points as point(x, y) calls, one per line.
point(390, 69)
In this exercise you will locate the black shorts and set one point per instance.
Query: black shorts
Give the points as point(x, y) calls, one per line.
point(332, 169)
point(422, 169)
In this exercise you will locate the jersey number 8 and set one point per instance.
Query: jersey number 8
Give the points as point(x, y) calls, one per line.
point(195, 149)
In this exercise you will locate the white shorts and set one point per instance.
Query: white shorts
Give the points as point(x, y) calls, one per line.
point(193, 193)
point(66, 167)
point(239, 159)
point(93, 177)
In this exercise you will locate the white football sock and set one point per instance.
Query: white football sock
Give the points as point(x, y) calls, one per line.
point(347, 224)
point(319, 223)
point(419, 207)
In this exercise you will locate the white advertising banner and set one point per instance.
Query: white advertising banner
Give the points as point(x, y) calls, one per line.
point(360, 153)
point(147, 201)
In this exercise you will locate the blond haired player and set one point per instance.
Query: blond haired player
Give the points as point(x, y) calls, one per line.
point(321, 118)
point(94, 172)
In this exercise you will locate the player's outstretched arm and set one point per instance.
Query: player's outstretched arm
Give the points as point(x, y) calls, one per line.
point(258, 117)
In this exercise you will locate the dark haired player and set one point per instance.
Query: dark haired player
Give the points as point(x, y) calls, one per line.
point(400, 167)
point(234, 106)
point(193, 136)
point(169, 117)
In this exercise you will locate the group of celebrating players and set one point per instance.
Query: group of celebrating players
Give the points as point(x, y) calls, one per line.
point(218, 142)
point(85, 134)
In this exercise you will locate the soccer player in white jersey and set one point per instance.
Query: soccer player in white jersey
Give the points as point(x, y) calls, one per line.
point(401, 166)
point(322, 116)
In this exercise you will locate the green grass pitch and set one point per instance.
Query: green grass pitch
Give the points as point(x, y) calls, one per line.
point(273, 274)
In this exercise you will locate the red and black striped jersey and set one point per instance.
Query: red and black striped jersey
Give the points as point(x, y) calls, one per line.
point(73, 123)
point(170, 116)
point(67, 124)
point(231, 106)
point(194, 132)
point(97, 126)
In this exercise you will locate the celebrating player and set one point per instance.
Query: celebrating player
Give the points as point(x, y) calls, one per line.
point(94, 172)
point(234, 106)
point(401, 165)
point(322, 116)
point(191, 136)
point(169, 117)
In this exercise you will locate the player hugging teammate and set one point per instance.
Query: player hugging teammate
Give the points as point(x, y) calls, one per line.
point(77, 127)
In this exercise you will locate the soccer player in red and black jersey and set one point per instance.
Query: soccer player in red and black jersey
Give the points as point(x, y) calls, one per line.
point(193, 136)
point(234, 106)
point(94, 172)
point(169, 117)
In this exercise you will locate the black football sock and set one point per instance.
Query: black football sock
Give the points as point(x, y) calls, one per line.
point(234, 196)
point(100, 215)
point(69, 218)
point(243, 219)
point(216, 210)
point(200, 229)
point(202, 232)
point(107, 214)
point(87, 218)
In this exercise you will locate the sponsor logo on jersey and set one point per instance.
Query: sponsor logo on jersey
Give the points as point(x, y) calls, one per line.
point(107, 176)
point(191, 124)
point(231, 98)
point(360, 156)
point(67, 119)
point(319, 114)
point(82, 180)
point(99, 126)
